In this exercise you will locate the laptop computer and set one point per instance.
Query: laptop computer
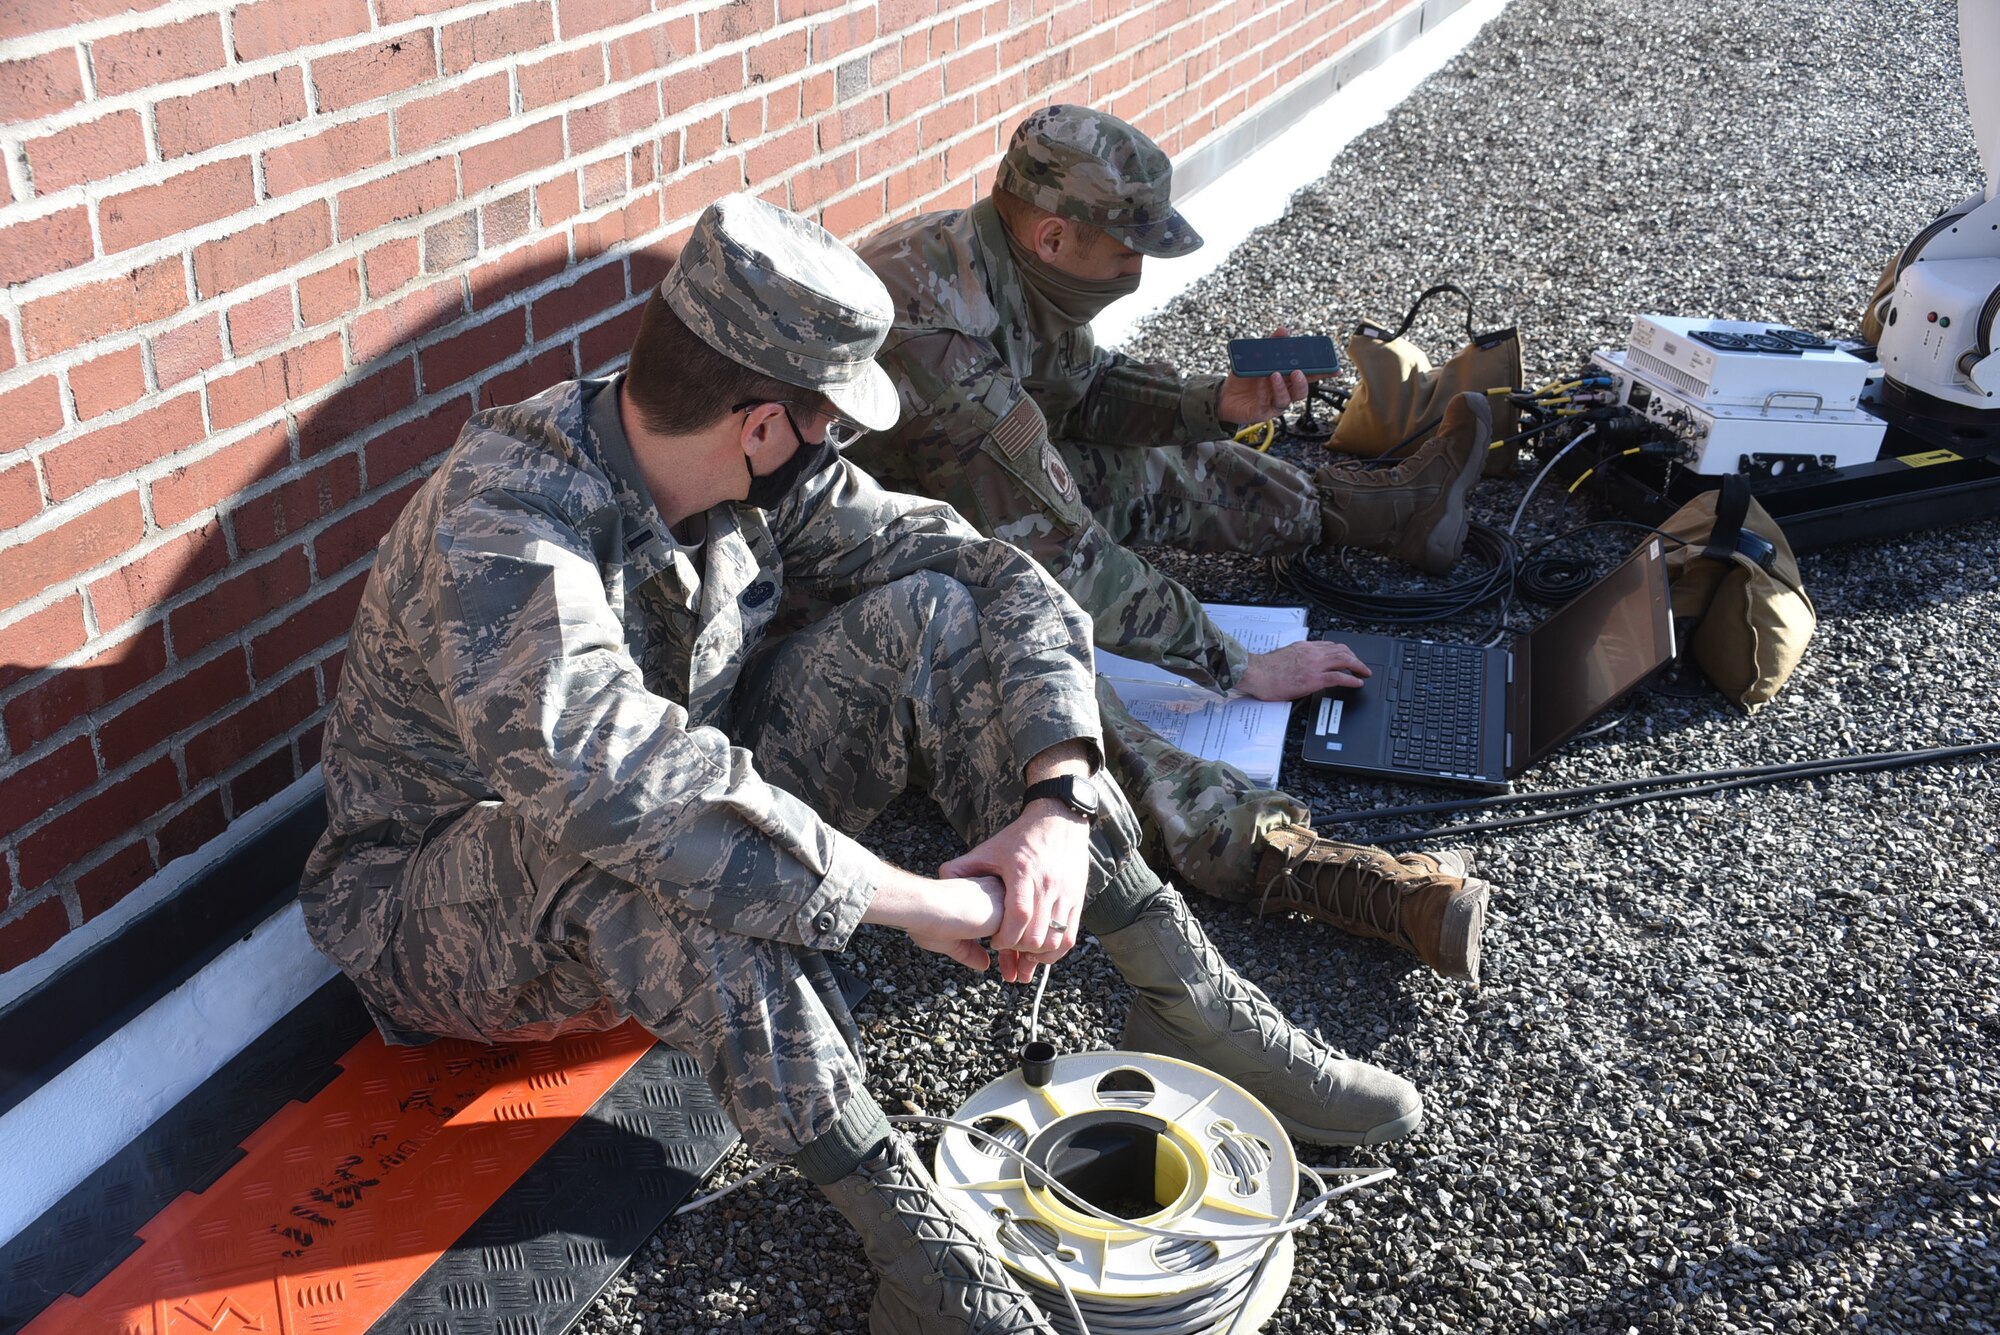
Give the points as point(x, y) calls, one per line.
point(1465, 715)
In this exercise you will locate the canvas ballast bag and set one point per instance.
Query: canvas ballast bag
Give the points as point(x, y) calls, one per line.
point(1740, 611)
point(1399, 397)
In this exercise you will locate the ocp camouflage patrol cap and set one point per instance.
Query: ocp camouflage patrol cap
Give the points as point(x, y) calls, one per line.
point(781, 295)
point(1091, 166)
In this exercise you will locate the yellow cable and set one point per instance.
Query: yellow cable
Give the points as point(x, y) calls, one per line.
point(1258, 435)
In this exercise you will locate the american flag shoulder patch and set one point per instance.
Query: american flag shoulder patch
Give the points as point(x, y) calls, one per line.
point(1020, 428)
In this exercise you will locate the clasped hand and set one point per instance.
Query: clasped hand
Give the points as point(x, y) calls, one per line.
point(1042, 863)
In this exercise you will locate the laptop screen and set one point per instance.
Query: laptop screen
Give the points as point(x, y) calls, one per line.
point(1597, 647)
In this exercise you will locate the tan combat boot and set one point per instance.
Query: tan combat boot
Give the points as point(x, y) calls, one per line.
point(1429, 904)
point(1414, 511)
point(1193, 1006)
point(936, 1277)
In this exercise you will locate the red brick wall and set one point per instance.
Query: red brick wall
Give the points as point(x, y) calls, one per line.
point(261, 259)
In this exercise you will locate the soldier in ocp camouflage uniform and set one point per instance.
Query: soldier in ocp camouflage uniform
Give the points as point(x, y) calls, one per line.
point(1013, 415)
point(637, 661)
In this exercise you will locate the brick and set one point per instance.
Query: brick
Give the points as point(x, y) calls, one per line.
point(145, 582)
point(612, 230)
point(44, 245)
point(393, 328)
point(557, 200)
point(734, 21)
point(448, 115)
point(778, 157)
point(512, 157)
point(391, 265)
point(293, 374)
point(355, 407)
point(178, 204)
point(312, 626)
point(209, 481)
point(390, 12)
point(39, 86)
point(329, 294)
point(466, 354)
point(264, 780)
point(214, 116)
point(125, 62)
point(452, 242)
point(301, 164)
point(505, 221)
point(241, 258)
point(645, 158)
point(272, 27)
point(243, 733)
point(30, 413)
point(692, 191)
point(35, 928)
point(744, 121)
point(102, 819)
point(114, 450)
point(114, 878)
point(20, 495)
point(575, 17)
point(682, 89)
point(22, 20)
point(353, 77)
point(608, 343)
point(6, 344)
point(584, 300)
point(43, 710)
point(107, 383)
point(260, 321)
point(495, 34)
point(654, 47)
point(353, 537)
point(604, 181)
point(628, 113)
point(519, 269)
point(49, 781)
point(231, 606)
point(529, 379)
point(194, 825)
point(701, 140)
point(854, 216)
point(560, 77)
point(186, 350)
point(400, 195)
point(327, 488)
point(41, 638)
point(183, 698)
point(776, 56)
point(413, 444)
point(94, 151)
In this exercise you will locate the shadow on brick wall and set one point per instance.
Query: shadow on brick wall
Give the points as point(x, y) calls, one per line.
point(214, 703)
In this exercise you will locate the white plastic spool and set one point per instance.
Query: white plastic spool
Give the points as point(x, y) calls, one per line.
point(1187, 1150)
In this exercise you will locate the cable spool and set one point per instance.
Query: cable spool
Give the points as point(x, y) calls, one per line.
point(1162, 1143)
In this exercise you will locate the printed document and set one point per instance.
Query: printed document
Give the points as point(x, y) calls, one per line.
point(1246, 733)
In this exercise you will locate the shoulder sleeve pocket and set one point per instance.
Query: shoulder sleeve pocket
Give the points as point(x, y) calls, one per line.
point(1018, 443)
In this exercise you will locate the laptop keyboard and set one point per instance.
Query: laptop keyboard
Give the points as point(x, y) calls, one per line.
point(1435, 708)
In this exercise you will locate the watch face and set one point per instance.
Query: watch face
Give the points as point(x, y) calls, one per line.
point(1083, 796)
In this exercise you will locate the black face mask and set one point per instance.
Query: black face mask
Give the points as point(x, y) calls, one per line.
point(768, 490)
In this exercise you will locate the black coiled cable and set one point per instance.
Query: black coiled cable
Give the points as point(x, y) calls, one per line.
point(1339, 591)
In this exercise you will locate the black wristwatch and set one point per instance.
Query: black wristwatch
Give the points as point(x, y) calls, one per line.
point(1074, 791)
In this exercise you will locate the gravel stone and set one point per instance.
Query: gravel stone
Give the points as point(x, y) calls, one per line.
point(1733, 1067)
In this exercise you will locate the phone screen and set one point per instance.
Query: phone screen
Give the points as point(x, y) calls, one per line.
point(1314, 354)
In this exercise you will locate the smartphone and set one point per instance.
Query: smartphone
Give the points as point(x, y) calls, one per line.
point(1313, 354)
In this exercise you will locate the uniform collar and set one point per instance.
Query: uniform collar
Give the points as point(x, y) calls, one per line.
point(649, 545)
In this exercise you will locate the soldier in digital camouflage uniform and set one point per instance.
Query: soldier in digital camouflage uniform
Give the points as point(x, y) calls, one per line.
point(1014, 415)
point(632, 668)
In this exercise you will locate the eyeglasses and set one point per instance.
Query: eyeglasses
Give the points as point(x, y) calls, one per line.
point(840, 433)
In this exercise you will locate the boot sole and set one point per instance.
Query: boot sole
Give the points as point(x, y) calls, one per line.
point(1464, 925)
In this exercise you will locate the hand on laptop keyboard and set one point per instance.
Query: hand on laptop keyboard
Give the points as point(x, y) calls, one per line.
point(1298, 670)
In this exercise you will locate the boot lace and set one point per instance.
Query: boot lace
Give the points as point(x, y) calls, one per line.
point(940, 1234)
point(1348, 896)
point(1249, 1011)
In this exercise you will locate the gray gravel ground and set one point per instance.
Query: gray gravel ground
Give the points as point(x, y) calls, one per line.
point(1734, 1066)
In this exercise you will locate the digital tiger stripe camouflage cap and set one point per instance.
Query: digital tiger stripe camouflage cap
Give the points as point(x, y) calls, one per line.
point(781, 295)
